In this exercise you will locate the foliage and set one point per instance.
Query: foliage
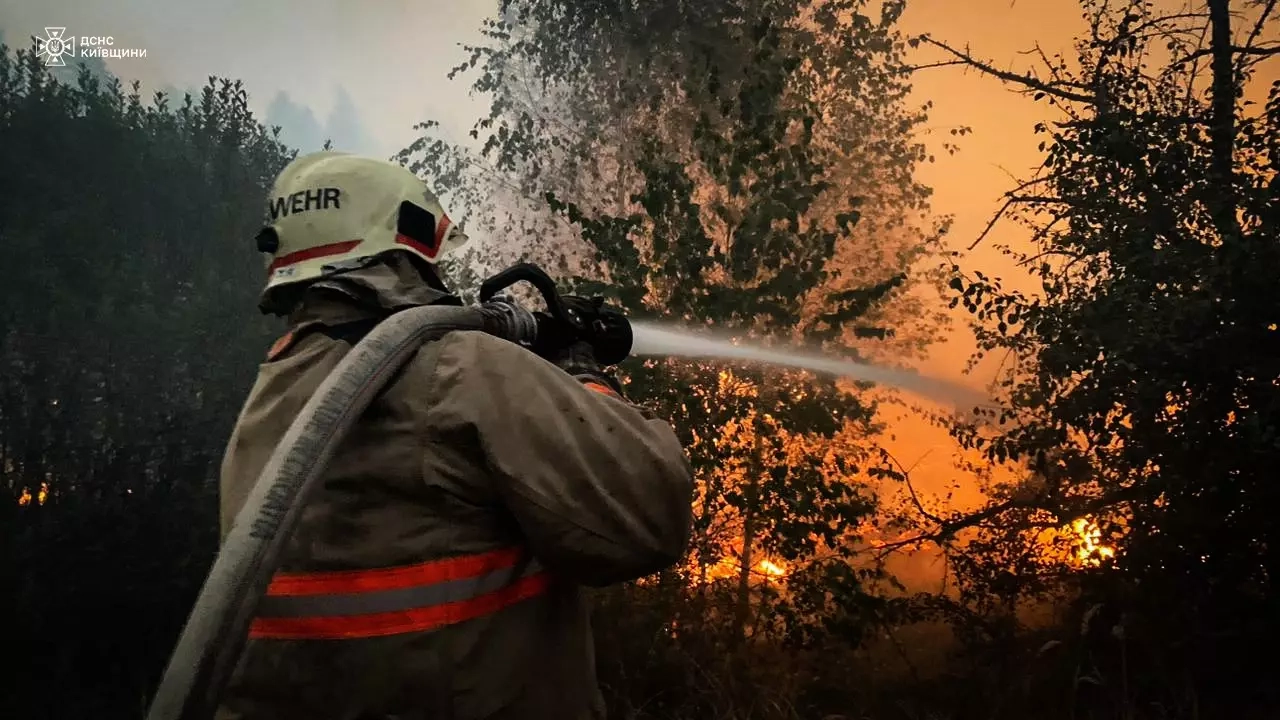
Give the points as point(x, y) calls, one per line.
point(1141, 386)
point(127, 227)
point(752, 260)
point(583, 94)
point(746, 165)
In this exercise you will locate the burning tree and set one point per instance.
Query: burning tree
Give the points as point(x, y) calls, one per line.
point(747, 165)
point(1141, 382)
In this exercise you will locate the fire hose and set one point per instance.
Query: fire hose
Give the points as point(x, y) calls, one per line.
point(217, 629)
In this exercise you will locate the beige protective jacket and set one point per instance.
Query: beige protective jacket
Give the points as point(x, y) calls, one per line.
point(438, 573)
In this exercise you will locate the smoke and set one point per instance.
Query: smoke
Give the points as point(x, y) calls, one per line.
point(345, 129)
point(70, 73)
point(298, 125)
point(370, 70)
point(300, 129)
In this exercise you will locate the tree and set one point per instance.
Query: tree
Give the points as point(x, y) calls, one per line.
point(576, 87)
point(127, 228)
point(1141, 393)
point(718, 164)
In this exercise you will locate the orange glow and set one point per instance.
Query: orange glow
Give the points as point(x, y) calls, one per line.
point(771, 569)
point(26, 497)
point(1078, 544)
point(730, 568)
point(1090, 551)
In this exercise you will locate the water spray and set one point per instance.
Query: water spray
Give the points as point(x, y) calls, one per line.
point(217, 629)
point(654, 339)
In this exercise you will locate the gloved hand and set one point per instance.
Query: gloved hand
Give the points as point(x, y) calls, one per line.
point(579, 360)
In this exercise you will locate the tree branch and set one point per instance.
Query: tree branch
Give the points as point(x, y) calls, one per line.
point(940, 63)
point(949, 527)
point(1232, 50)
point(1257, 30)
point(1011, 198)
point(906, 478)
point(1031, 83)
point(1124, 33)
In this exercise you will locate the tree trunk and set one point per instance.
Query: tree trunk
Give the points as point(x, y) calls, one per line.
point(750, 495)
point(1222, 121)
point(743, 616)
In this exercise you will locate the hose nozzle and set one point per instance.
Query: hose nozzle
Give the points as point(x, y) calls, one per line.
point(568, 319)
point(511, 322)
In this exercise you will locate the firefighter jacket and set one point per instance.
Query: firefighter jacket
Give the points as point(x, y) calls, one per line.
point(439, 570)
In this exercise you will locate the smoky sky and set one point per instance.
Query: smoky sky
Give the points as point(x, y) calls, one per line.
point(301, 128)
point(362, 73)
point(298, 125)
point(366, 72)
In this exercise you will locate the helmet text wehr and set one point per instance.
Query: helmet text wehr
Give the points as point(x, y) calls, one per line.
point(304, 200)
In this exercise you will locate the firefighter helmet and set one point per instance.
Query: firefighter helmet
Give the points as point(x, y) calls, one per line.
point(331, 212)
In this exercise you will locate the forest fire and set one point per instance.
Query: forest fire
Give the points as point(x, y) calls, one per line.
point(771, 569)
point(1070, 205)
point(1078, 544)
point(1090, 551)
point(26, 498)
point(730, 567)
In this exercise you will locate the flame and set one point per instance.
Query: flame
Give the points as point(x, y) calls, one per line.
point(771, 569)
point(1090, 551)
point(41, 495)
point(1078, 544)
point(730, 567)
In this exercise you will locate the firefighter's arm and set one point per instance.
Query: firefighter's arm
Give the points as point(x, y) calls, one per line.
point(601, 489)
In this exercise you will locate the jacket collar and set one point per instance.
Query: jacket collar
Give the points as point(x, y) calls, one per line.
point(378, 290)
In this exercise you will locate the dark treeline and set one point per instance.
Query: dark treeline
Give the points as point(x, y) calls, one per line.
point(127, 343)
point(692, 165)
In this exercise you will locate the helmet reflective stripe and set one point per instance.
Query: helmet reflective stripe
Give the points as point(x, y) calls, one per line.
point(420, 230)
point(311, 253)
point(331, 211)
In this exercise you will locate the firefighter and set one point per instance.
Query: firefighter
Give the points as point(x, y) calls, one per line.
point(439, 571)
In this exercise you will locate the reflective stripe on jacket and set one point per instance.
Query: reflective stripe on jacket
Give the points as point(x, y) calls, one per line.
point(412, 598)
point(409, 589)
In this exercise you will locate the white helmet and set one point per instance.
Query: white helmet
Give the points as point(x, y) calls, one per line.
point(333, 211)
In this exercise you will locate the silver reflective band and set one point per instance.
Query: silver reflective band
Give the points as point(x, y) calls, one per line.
point(382, 601)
